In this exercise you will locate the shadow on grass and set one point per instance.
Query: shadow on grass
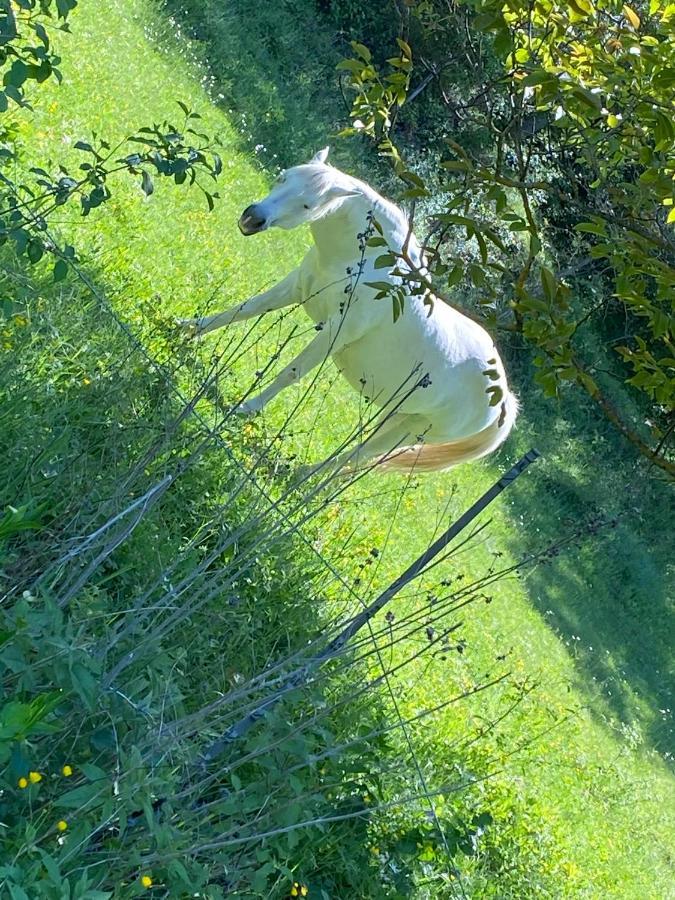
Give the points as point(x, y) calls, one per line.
point(272, 69)
point(607, 598)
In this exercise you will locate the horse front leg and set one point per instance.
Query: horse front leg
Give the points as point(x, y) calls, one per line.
point(313, 355)
point(283, 294)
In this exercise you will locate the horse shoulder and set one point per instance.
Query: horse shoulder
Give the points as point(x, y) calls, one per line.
point(320, 291)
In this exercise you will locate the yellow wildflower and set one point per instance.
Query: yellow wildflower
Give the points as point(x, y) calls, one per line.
point(146, 881)
point(34, 777)
point(67, 771)
point(23, 783)
point(62, 825)
point(571, 869)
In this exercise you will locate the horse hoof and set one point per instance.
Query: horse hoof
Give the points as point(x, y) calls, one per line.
point(246, 409)
point(190, 327)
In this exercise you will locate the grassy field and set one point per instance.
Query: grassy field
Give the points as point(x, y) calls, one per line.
point(554, 782)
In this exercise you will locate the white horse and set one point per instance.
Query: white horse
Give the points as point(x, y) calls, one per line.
point(434, 374)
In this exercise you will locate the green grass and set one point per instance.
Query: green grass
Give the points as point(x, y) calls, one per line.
point(573, 779)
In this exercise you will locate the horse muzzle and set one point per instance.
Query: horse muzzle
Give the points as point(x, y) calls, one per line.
point(250, 222)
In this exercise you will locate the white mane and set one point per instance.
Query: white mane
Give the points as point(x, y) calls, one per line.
point(393, 220)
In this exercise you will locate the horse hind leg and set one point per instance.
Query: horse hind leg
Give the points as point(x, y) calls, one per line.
point(396, 431)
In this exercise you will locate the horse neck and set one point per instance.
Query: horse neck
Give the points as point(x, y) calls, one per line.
point(336, 234)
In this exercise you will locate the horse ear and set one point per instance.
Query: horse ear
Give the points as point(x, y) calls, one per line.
point(336, 192)
point(321, 156)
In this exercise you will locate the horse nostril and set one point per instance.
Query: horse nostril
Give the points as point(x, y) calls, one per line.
point(251, 221)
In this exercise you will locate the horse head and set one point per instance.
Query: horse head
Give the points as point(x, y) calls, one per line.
point(301, 194)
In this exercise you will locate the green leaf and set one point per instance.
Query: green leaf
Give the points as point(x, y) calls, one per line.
point(350, 65)
point(80, 796)
point(539, 76)
point(548, 283)
point(384, 261)
point(407, 52)
point(18, 720)
point(64, 7)
point(598, 228)
point(483, 247)
point(415, 193)
point(589, 99)
point(457, 165)
point(455, 275)
point(632, 16)
point(17, 74)
point(85, 684)
point(41, 32)
point(477, 275)
point(146, 184)
point(362, 51)
point(60, 269)
point(35, 250)
point(580, 9)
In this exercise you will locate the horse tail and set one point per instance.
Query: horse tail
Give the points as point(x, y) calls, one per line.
point(436, 457)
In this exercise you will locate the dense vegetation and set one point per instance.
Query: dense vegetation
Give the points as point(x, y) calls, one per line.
point(496, 735)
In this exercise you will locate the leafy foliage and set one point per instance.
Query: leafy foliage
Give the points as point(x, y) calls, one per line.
point(25, 45)
point(25, 207)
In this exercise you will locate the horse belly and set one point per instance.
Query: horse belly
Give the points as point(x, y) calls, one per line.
point(383, 364)
point(415, 365)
